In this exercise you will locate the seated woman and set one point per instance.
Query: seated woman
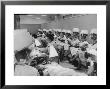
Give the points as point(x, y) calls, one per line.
point(92, 60)
point(22, 68)
point(53, 55)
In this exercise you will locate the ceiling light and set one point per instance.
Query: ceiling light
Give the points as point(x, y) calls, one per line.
point(29, 15)
point(43, 15)
point(37, 18)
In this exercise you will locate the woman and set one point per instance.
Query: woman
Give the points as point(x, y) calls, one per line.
point(21, 67)
point(53, 55)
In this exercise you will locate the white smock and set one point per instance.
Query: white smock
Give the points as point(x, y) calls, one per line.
point(37, 43)
point(74, 50)
point(52, 51)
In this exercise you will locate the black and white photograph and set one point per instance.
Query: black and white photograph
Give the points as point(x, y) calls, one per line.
point(58, 44)
point(55, 44)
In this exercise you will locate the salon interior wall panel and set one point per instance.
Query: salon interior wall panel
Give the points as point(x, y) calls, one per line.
point(82, 22)
point(32, 28)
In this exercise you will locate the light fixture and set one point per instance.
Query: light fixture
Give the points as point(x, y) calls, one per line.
point(43, 15)
point(37, 18)
point(29, 15)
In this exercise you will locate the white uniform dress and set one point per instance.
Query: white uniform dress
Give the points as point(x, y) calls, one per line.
point(37, 43)
point(74, 42)
point(83, 43)
point(94, 46)
point(66, 45)
point(52, 51)
point(74, 50)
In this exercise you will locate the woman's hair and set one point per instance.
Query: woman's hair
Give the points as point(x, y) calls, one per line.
point(83, 48)
point(34, 35)
point(87, 55)
point(50, 37)
point(44, 43)
point(22, 54)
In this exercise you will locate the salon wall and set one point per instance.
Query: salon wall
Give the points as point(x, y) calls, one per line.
point(83, 22)
point(31, 23)
point(32, 28)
